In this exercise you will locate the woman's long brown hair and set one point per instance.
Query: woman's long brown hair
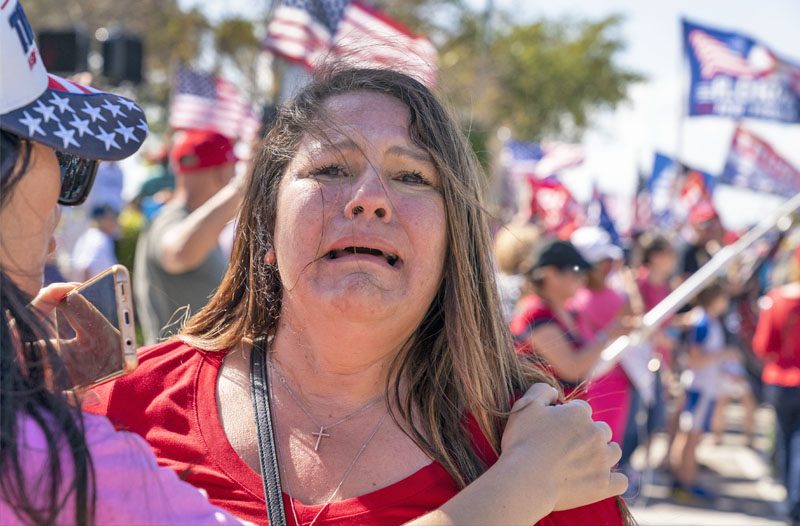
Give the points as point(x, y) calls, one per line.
point(460, 360)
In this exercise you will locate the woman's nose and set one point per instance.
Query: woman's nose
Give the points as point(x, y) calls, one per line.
point(369, 199)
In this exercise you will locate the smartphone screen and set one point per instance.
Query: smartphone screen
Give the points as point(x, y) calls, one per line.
point(91, 339)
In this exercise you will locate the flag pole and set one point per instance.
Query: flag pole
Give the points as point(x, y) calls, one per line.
point(684, 79)
point(689, 288)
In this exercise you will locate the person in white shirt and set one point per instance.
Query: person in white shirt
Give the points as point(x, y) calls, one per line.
point(94, 250)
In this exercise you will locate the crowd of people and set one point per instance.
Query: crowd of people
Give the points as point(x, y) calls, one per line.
point(415, 367)
point(734, 342)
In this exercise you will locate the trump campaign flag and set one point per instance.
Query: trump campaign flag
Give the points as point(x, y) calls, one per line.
point(554, 208)
point(733, 75)
point(310, 31)
point(203, 101)
point(752, 163)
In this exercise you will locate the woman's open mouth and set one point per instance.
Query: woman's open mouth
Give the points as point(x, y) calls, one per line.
point(391, 259)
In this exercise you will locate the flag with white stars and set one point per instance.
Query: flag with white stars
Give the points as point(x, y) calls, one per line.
point(80, 120)
point(202, 101)
point(313, 31)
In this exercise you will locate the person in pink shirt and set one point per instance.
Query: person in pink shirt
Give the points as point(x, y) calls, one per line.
point(599, 308)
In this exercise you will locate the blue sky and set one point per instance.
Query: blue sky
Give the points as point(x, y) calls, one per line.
point(621, 141)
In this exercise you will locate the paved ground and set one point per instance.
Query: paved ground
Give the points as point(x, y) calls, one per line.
point(740, 476)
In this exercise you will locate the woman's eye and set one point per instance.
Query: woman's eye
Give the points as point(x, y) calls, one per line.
point(413, 178)
point(332, 170)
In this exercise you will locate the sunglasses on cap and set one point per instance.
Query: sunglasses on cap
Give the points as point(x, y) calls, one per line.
point(77, 178)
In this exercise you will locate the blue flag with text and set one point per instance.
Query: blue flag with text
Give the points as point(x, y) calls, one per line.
point(733, 75)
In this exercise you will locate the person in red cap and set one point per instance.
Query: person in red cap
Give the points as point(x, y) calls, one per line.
point(178, 259)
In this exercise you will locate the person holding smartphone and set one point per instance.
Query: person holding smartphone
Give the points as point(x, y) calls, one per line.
point(59, 465)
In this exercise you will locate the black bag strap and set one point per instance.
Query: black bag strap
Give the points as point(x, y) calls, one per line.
point(268, 456)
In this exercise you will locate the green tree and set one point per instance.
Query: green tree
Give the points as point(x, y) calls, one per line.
point(539, 79)
point(235, 40)
point(550, 77)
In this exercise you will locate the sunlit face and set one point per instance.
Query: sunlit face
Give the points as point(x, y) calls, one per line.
point(28, 220)
point(361, 228)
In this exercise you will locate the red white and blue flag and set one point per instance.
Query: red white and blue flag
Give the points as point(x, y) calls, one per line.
point(752, 163)
point(553, 207)
point(541, 160)
point(733, 75)
point(203, 101)
point(597, 214)
point(312, 31)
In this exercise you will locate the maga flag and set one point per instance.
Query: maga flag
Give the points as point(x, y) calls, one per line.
point(553, 208)
point(733, 75)
point(697, 187)
point(309, 31)
point(752, 163)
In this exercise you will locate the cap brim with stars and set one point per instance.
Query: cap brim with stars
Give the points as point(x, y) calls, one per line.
point(65, 115)
point(80, 120)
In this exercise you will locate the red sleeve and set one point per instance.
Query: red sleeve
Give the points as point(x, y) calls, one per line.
point(604, 513)
point(532, 314)
point(764, 340)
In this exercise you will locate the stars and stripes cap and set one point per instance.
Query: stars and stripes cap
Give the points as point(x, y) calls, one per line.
point(57, 112)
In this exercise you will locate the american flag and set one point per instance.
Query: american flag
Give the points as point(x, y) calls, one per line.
point(716, 58)
point(203, 101)
point(526, 159)
point(312, 31)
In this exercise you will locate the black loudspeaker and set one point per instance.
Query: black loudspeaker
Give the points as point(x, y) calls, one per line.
point(122, 58)
point(64, 50)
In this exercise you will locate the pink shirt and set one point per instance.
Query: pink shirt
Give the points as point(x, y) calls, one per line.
point(130, 486)
point(596, 309)
point(608, 395)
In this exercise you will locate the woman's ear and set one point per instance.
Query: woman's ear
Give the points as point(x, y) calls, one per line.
point(270, 258)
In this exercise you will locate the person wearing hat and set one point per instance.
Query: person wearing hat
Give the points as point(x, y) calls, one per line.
point(59, 465)
point(544, 327)
point(599, 308)
point(179, 262)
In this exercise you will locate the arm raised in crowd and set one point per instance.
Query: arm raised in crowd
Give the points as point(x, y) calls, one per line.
point(187, 244)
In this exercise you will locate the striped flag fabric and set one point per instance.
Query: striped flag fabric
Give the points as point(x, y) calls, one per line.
point(753, 163)
point(312, 31)
point(559, 156)
point(530, 159)
point(206, 102)
point(716, 58)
